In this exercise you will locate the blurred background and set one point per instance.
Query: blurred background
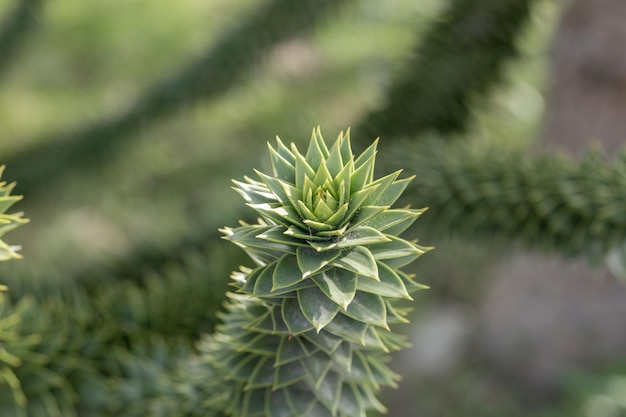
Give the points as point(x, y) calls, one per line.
point(123, 121)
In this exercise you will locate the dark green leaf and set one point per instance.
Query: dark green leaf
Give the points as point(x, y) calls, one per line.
point(288, 374)
point(264, 283)
point(347, 328)
point(276, 186)
point(410, 284)
point(401, 251)
point(390, 284)
point(359, 236)
point(310, 261)
point(368, 308)
point(316, 367)
point(286, 273)
point(337, 284)
point(374, 340)
point(301, 233)
point(324, 340)
point(251, 279)
point(300, 400)
point(365, 214)
point(289, 350)
point(276, 404)
point(277, 234)
point(262, 375)
point(329, 392)
point(360, 260)
point(293, 317)
point(316, 307)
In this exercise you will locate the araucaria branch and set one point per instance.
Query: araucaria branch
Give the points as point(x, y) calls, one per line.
point(306, 333)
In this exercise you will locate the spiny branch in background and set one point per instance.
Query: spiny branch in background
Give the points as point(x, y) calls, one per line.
point(225, 64)
point(307, 331)
point(69, 349)
point(462, 55)
point(550, 202)
point(14, 28)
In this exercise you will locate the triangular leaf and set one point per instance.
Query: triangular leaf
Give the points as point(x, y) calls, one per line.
point(263, 286)
point(298, 232)
point(316, 367)
point(390, 284)
point(289, 350)
point(382, 185)
point(276, 404)
point(310, 261)
point(286, 273)
point(367, 154)
point(285, 152)
point(317, 136)
point(365, 214)
point(277, 234)
point(393, 192)
point(362, 175)
point(368, 308)
point(293, 317)
point(316, 307)
point(303, 170)
point(282, 168)
point(288, 374)
point(314, 154)
point(398, 249)
point(337, 284)
point(347, 328)
point(356, 201)
point(300, 400)
point(394, 221)
point(262, 375)
point(324, 340)
point(360, 260)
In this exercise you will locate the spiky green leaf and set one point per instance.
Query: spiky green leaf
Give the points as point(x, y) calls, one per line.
point(359, 260)
point(317, 307)
point(337, 284)
point(368, 308)
point(310, 261)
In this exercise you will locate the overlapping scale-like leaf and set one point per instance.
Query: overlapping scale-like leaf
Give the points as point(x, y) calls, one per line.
point(308, 328)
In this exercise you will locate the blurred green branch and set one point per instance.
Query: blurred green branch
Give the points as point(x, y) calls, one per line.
point(16, 25)
point(462, 55)
point(224, 64)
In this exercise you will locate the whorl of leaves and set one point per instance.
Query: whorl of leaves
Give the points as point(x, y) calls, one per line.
point(307, 331)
